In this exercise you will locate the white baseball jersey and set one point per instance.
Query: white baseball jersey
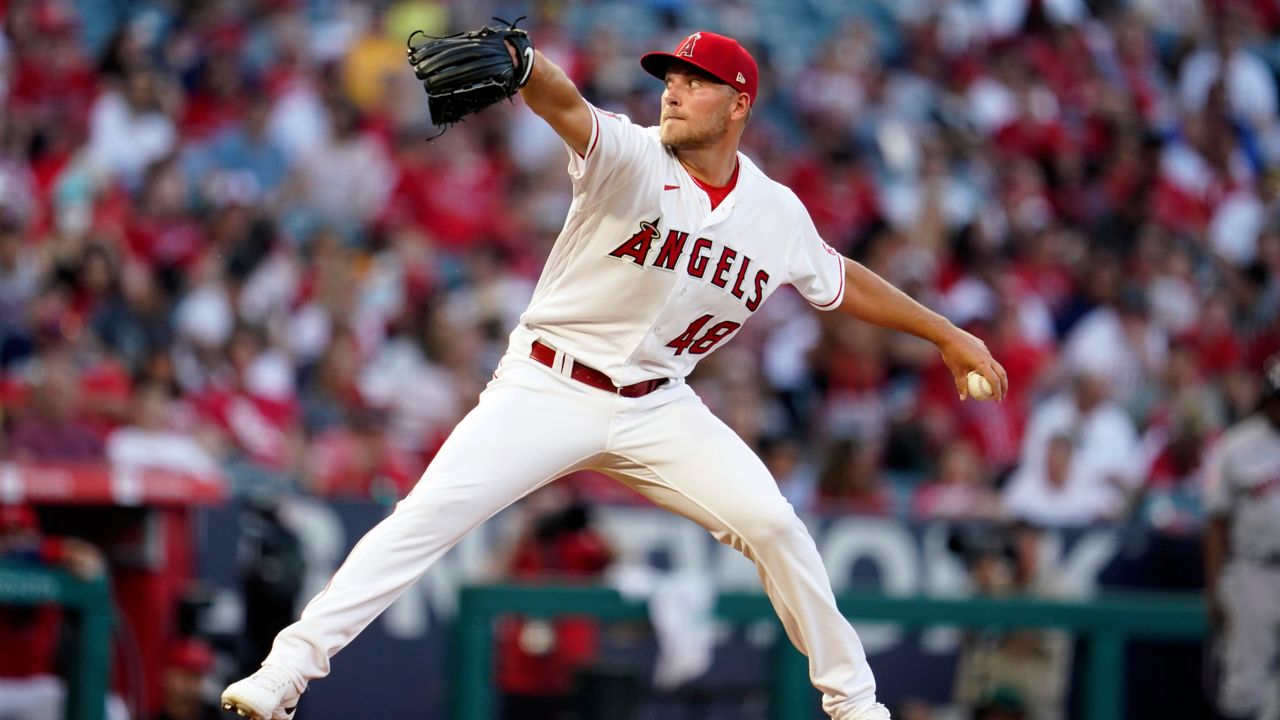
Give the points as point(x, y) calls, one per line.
point(1243, 481)
point(646, 278)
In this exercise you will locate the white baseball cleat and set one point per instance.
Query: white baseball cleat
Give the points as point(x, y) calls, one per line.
point(269, 694)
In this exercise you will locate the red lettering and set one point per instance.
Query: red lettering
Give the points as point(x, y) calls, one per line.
point(637, 246)
point(671, 249)
point(742, 275)
point(689, 340)
point(762, 278)
point(726, 259)
point(690, 334)
point(717, 333)
point(698, 261)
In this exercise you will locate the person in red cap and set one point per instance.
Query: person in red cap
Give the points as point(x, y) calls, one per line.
point(673, 240)
point(29, 684)
point(187, 668)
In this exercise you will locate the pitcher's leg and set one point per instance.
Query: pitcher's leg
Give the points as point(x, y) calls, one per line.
point(530, 427)
point(684, 459)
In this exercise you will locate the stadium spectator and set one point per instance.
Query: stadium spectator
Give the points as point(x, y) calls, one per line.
point(852, 363)
point(161, 231)
point(54, 428)
point(218, 98)
point(1060, 493)
point(18, 182)
point(187, 669)
point(154, 440)
point(785, 459)
point(133, 322)
point(1103, 439)
point(1187, 417)
point(241, 161)
point(1120, 344)
point(409, 377)
point(344, 181)
point(248, 407)
point(1213, 341)
point(356, 460)
point(331, 392)
point(132, 127)
point(456, 196)
point(51, 73)
point(272, 567)
point(29, 683)
point(1225, 62)
point(851, 481)
point(1021, 673)
point(537, 659)
point(959, 489)
point(20, 278)
point(495, 295)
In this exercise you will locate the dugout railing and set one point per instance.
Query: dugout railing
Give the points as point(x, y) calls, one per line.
point(1103, 622)
point(88, 603)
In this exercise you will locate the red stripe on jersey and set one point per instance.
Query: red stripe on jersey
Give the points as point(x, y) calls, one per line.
point(595, 134)
point(840, 292)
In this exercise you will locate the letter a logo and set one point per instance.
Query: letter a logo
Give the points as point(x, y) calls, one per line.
point(637, 246)
point(686, 47)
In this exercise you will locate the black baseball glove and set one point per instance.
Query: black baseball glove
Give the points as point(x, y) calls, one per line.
point(468, 72)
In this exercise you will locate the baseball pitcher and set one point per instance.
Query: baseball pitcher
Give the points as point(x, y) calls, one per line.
point(673, 240)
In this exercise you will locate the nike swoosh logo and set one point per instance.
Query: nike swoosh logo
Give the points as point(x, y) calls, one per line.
point(528, 65)
point(670, 187)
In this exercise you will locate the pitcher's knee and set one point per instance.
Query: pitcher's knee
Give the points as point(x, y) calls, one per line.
point(769, 526)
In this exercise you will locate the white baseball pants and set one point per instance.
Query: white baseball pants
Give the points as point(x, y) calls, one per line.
point(532, 425)
point(1251, 596)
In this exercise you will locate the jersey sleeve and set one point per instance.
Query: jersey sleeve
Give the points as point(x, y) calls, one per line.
point(814, 268)
point(1217, 493)
point(617, 153)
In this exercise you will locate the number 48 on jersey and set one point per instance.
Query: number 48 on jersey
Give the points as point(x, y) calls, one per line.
point(697, 345)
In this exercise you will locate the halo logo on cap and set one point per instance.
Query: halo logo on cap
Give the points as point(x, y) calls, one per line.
point(686, 47)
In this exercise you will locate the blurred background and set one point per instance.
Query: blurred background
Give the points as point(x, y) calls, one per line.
point(243, 301)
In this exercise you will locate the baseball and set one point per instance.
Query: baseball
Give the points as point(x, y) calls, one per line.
point(979, 388)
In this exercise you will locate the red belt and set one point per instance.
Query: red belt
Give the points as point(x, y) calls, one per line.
point(590, 376)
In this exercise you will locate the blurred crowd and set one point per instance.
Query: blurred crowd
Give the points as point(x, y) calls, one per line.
point(227, 247)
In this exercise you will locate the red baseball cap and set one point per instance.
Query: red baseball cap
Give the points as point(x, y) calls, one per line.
point(17, 517)
point(191, 654)
point(718, 55)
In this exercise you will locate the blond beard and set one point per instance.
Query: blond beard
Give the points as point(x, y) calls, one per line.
point(695, 138)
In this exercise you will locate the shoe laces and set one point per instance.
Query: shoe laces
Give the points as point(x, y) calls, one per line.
point(272, 678)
